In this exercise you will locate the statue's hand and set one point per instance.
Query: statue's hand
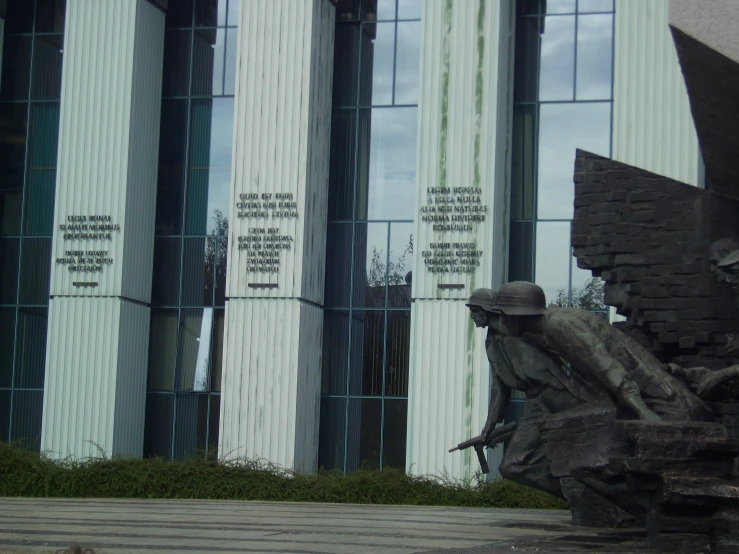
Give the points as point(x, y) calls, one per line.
point(648, 415)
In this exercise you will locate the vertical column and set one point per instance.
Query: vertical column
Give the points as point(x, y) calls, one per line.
point(652, 124)
point(277, 236)
point(103, 229)
point(461, 228)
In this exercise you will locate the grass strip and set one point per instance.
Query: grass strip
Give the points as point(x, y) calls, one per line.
point(25, 473)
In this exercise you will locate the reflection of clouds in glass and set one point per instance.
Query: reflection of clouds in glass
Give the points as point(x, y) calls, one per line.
point(221, 12)
point(562, 129)
point(557, 72)
point(385, 9)
point(409, 9)
point(585, 6)
point(400, 252)
point(594, 57)
point(230, 71)
point(219, 194)
point(221, 141)
point(376, 253)
point(382, 63)
point(553, 256)
point(392, 163)
point(233, 13)
point(560, 6)
point(407, 62)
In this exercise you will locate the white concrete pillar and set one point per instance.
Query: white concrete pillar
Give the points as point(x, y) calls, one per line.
point(653, 127)
point(277, 233)
point(461, 235)
point(102, 247)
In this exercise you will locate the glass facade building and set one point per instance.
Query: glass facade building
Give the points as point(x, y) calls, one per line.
point(346, 149)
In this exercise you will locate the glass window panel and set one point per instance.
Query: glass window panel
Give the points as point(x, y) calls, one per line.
point(216, 368)
point(346, 68)
point(585, 6)
point(563, 128)
point(7, 344)
point(364, 434)
point(523, 167)
point(211, 144)
point(385, 10)
point(16, 68)
point(332, 434)
point(557, 71)
point(162, 349)
point(407, 61)
point(560, 6)
point(208, 51)
point(9, 251)
point(368, 352)
point(400, 265)
point(587, 291)
point(370, 265)
point(398, 353)
point(521, 258)
point(30, 348)
point(50, 16)
point(5, 415)
point(43, 141)
point(19, 17)
point(214, 419)
point(526, 59)
point(594, 57)
point(409, 9)
point(394, 436)
point(13, 120)
point(176, 76)
point(341, 169)
point(35, 271)
point(193, 359)
point(347, 10)
point(553, 254)
point(210, 13)
point(378, 52)
point(229, 76)
point(191, 425)
point(221, 260)
point(233, 13)
point(165, 286)
point(335, 351)
point(338, 264)
point(392, 166)
point(171, 176)
point(28, 406)
point(158, 426)
point(179, 13)
point(47, 68)
point(197, 272)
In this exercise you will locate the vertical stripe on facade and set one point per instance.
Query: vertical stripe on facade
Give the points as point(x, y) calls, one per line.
point(463, 137)
point(274, 334)
point(652, 124)
point(108, 144)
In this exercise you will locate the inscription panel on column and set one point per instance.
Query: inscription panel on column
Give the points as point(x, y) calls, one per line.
point(85, 249)
point(452, 217)
point(265, 246)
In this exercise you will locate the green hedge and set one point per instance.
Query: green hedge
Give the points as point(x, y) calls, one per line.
point(24, 473)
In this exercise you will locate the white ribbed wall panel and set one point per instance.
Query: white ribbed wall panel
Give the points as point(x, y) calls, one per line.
point(464, 131)
point(281, 140)
point(449, 389)
point(109, 141)
point(652, 124)
point(271, 382)
point(95, 388)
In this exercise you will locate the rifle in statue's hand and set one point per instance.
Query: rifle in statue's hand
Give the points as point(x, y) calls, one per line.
point(493, 438)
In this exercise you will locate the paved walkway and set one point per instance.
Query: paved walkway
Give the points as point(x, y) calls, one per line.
point(118, 526)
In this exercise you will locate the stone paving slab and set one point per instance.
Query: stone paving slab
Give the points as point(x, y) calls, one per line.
point(134, 526)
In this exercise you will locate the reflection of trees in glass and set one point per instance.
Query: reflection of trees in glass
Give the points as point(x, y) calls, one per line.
point(589, 297)
point(395, 273)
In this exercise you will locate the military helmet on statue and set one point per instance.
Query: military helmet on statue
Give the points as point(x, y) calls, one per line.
point(482, 298)
point(520, 298)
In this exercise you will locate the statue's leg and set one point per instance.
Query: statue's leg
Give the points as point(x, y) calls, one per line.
point(525, 460)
